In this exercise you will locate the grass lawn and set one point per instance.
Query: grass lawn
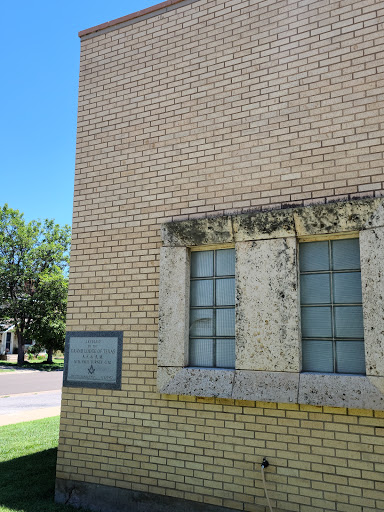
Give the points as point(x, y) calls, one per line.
point(58, 364)
point(27, 467)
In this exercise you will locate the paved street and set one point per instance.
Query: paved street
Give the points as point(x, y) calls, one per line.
point(29, 395)
point(24, 381)
point(18, 403)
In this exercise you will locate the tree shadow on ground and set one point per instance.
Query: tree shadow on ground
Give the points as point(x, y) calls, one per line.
point(28, 483)
point(41, 366)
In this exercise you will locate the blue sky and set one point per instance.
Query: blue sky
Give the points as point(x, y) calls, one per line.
point(38, 87)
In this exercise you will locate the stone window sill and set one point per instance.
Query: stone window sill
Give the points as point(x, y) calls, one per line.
point(334, 390)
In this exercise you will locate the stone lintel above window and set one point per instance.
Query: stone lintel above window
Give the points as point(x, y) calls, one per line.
point(320, 219)
point(268, 339)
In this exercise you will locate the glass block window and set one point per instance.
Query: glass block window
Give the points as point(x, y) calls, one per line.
point(331, 307)
point(212, 309)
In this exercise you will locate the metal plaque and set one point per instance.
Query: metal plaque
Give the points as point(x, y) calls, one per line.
point(93, 359)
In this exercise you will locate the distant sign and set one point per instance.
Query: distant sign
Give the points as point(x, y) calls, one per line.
point(93, 359)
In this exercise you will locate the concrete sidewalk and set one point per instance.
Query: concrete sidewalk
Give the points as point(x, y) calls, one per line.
point(35, 414)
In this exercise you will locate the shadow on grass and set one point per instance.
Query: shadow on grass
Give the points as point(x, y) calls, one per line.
point(28, 483)
point(42, 366)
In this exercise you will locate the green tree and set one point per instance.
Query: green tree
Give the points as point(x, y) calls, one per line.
point(33, 265)
point(48, 313)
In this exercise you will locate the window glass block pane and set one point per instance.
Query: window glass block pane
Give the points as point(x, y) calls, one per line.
point(347, 288)
point(317, 356)
point(201, 322)
point(225, 353)
point(350, 357)
point(225, 292)
point(202, 264)
point(225, 262)
point(202, 293)
point(346, 254)
point(316, 322)
point(201, 352)
point(349, 321)
point(225, 322)
point(315, 289)
point(314, 256)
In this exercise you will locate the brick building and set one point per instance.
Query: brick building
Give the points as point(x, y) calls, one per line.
point(228, 237)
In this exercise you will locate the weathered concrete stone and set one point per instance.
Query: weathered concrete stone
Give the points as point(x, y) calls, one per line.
point(267, 314)
point(173, 307)
point(201, 382)
point(376, 220)
point(378, 382)
point(338, 217)
point(165, 374)
point(281, 387)
point(264, 225)
point(372, 282)
point(352, 391)
point(321, 219)
point(268, 344)
point(215, 230)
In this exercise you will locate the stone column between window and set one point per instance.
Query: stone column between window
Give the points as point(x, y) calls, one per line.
point(268, 344)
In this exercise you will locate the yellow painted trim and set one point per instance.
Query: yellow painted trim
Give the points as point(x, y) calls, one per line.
point(212, 247)
point(328, 236)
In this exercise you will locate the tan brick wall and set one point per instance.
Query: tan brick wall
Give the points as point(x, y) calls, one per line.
point(210, 450)
point(216, 106)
